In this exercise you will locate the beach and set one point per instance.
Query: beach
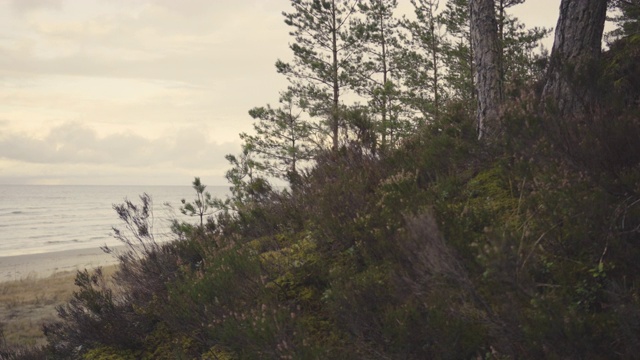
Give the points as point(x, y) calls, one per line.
point(33, 285)
point(46, 264)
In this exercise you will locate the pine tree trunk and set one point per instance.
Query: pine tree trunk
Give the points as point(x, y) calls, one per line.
point(486, 46)
point(434, 58)
point(335, 117)
point(576, 47)
point(385, 96)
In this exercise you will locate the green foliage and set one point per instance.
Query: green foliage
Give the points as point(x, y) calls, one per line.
point(422, 64)
point(322, 53)
point(95, 317)
point(217, 353)
point(201, 204)
point(490, 253)
point(282, 139)
point(244, 176)
point(626, 19)
point(458, 53)
point(442, 248)
point(107, 353)
point(376, 77)
point(519, 63)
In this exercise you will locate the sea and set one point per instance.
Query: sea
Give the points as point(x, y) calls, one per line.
point(49, 218)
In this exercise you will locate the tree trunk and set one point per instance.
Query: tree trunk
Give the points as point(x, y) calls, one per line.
point(435, 50)
point(576, 47)
point(486, 46)
point(335, 116)
point(385, 73)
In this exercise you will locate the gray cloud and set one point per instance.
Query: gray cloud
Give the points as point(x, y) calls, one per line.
point(151, 88)
point(156, 88)
point(73, 143)
point(192, 41)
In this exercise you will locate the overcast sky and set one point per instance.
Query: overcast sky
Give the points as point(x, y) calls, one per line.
point(141, 92)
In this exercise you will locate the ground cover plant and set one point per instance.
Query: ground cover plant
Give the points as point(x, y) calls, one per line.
point(443, 246)
point(521, 250)
point(27, 302)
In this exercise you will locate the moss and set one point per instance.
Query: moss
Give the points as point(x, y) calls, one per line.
point(110, 353)
point(218, 353)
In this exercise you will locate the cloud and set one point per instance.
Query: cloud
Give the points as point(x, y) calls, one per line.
point(74, 143)
point(191, 41)
point(147, 88)
point(22, 6)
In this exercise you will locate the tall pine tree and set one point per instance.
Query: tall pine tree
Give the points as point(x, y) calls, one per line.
point(458, 53)
point(423, 63)
point(322, 53)
point(576, 47)
point(487, 54)
point(375, 76)
point(282, 138)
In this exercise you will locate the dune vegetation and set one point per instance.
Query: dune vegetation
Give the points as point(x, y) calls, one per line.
point(29, 302)
point(437, 245)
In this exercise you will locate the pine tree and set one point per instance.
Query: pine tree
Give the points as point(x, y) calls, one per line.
point(423, 65)
point(513, 55)
point(201, 204)
point(458, 53)
point(577, 46)
point(501, 17)
point(519, 63)
point(487, 54)
point(248, 185)
point(627, 19)
point(375, 77)
point(322, 53)
point(282, 138)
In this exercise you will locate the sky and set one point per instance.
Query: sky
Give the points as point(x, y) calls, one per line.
point(142, 92)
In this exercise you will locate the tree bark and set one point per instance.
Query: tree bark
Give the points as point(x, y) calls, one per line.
point(576, 47)
point(335, 117)
point(486, 46)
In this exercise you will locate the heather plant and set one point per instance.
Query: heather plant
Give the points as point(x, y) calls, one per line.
point(445, 247)
point(107, 318)
point(15, 352)
point(94, 315)
point(493, 254)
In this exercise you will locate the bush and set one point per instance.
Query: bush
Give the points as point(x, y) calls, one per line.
point(442, 248)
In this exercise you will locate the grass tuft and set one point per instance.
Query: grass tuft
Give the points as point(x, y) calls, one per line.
point(27, 303)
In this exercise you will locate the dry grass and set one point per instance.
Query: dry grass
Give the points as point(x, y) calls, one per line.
point(27, 303)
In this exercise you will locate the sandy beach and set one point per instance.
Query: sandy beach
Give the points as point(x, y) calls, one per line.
point(46, 264)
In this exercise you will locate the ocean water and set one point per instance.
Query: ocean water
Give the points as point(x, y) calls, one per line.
point(39, 219)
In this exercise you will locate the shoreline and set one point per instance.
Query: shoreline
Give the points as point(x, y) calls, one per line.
point(17, 267)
